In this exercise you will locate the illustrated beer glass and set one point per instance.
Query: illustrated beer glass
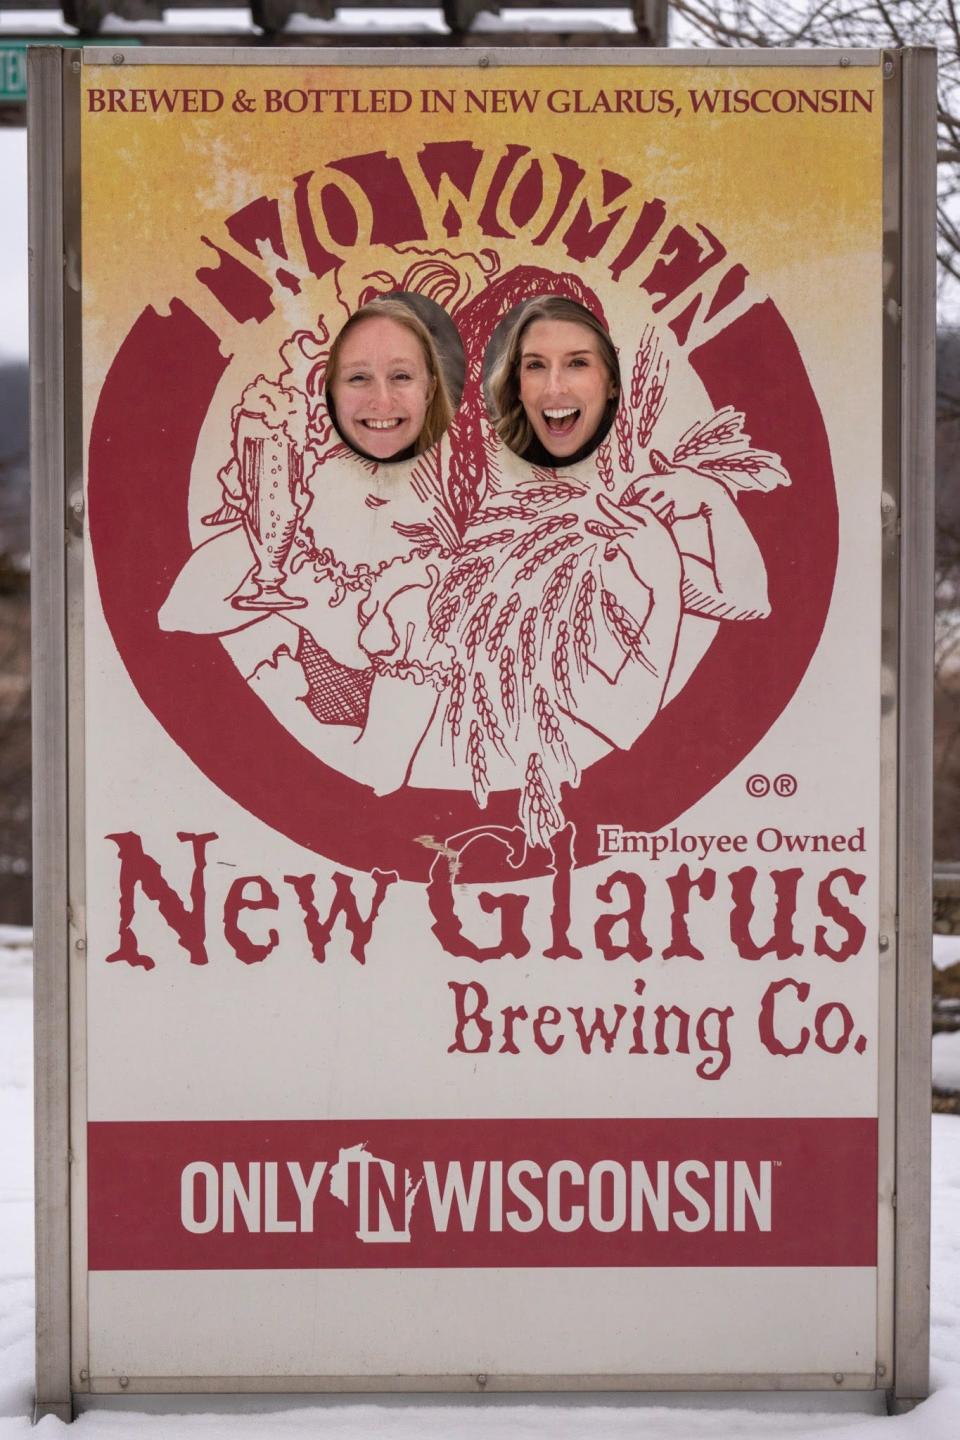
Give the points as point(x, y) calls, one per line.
point(271, 473)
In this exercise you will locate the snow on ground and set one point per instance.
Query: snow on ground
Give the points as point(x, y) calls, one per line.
point(16, 1175)
point(946, 950)
point(621, 1417)
point(946, 1060)
point(946, 1047)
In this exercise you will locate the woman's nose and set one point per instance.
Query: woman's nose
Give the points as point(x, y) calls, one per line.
point(381, 393)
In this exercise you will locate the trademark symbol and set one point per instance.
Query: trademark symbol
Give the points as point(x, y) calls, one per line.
point(760, 785)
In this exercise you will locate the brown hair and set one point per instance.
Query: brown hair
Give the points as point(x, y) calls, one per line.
point(503, 383)
point(439, 406)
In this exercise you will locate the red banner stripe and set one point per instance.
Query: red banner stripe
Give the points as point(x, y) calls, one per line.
point(463, 1193)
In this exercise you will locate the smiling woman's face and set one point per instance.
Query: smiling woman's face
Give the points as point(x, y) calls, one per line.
point(564, 384)
point(382, 387)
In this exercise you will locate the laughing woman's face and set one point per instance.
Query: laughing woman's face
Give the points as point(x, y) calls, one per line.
point(382, 388)
point(564, 384)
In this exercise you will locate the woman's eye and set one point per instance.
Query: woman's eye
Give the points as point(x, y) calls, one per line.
point(533, 364)
point(402, 375)
point(358, 379)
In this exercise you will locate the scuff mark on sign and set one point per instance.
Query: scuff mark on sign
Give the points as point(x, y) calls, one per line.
point(452, 857)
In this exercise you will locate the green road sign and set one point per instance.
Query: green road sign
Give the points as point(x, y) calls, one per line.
point(13, 63)
point(13, 71)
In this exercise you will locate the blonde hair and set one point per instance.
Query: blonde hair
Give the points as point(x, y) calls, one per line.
point(439, 406)
point(503, 383)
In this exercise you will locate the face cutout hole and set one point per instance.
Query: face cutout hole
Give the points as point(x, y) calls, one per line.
point(551, 381)
point(395, 377)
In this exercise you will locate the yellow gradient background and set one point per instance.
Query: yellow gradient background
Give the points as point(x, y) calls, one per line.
point(796, 198)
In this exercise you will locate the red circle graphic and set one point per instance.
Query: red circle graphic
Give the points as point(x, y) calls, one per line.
point(144, 435)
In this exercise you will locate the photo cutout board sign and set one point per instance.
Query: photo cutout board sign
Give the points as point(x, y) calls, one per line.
point(481, 694)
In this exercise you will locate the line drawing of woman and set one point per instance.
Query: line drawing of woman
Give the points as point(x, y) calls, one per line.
point(554, 388)
point(468, 620)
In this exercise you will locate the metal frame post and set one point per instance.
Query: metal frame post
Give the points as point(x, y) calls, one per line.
point(50, 861)
point(917, 392)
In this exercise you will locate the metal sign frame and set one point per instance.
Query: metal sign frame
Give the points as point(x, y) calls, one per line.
point(58, 519)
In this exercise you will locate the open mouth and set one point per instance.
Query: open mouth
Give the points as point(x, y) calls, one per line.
point(561, 421)
point(381, 424)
